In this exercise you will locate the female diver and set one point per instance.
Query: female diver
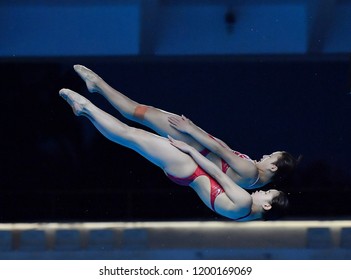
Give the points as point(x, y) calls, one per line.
point(247, 173)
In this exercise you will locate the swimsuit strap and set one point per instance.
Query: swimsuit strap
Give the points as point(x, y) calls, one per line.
point(225, 166)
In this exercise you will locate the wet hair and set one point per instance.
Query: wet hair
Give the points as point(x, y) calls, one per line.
point(286, 163)
point(280, 205)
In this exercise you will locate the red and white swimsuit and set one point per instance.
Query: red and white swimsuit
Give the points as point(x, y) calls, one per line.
point(216, 188)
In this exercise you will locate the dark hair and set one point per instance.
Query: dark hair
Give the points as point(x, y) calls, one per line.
point(280, 205)
point(286, 163)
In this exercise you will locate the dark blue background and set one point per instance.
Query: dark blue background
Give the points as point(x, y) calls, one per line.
point(55, 166)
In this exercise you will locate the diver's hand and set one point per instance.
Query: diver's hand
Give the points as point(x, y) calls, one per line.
point(184, 147)
point(181, 123)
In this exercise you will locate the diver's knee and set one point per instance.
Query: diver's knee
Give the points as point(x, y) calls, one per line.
point(140, 111)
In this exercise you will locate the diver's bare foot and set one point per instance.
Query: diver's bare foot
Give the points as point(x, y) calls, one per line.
point(91, 79)
point(75, 100)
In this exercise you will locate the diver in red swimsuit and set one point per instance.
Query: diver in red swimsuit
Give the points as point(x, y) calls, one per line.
point(182, 163)
point(240, 168)
point(215, 191)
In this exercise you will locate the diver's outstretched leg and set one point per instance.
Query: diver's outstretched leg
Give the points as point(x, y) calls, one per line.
point(149, 116)
point(156, 149)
